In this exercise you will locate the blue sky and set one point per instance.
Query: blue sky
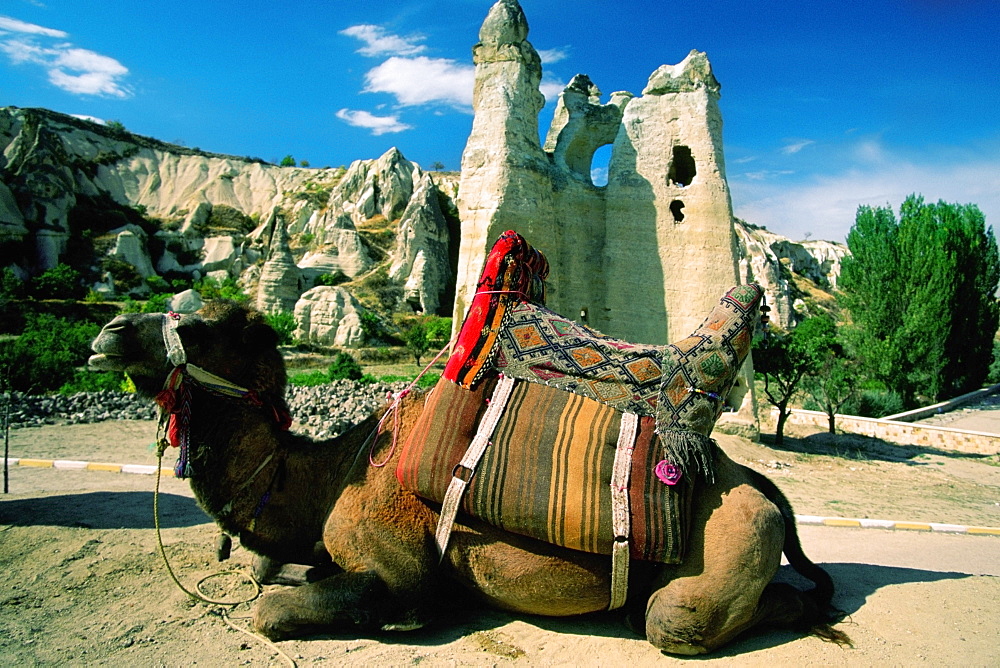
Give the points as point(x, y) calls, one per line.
point(826, 105)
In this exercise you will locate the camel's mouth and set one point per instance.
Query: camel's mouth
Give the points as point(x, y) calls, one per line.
point(106, 362)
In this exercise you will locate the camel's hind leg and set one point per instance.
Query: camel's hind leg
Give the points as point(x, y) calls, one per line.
point(722, 588)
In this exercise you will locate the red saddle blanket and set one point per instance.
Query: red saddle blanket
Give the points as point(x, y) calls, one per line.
point(547, 470)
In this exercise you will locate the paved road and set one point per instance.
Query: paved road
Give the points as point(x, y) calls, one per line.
point(983, 416)
point(926, 551)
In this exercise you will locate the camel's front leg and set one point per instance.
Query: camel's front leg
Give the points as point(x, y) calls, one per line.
point(345, 600)
point(270, 571)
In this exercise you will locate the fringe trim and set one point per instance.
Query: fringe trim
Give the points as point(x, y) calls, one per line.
point(690, 451)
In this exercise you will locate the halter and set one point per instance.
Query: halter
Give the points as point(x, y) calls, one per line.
point(174, 400)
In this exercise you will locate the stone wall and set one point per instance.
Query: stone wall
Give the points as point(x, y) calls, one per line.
point(903, 433)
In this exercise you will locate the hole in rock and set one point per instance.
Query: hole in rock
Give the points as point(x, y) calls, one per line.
point(682, 169)
point(599, 165)
point(676, 208)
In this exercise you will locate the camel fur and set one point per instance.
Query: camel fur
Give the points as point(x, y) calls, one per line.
point(380, 537)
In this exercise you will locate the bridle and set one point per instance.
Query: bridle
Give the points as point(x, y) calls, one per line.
point(174, 400)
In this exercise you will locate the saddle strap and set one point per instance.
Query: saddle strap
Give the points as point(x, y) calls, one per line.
point(620, 523)
point(466, 468)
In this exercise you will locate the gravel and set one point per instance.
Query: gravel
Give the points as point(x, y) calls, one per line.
point(322, 411)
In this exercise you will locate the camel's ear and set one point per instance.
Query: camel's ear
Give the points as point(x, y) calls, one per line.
point(260, 335)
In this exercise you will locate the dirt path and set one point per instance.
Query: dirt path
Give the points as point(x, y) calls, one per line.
point(86, 584)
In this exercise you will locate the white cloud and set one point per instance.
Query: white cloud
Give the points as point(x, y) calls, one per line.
point(75, 70)
point(797, 146)
point(423, 80)
point(379, 125)
point(87, 73)
point(550, 56)
point(551, 88)
point(825, 206)
point(14, 25)
point(378, 42)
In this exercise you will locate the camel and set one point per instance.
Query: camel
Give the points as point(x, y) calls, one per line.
point(283, 494)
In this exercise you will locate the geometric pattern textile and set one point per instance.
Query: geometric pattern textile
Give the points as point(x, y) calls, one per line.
point(682, 385)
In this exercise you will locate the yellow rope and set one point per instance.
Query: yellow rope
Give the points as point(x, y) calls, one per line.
point(200, 595)
point(159, 539)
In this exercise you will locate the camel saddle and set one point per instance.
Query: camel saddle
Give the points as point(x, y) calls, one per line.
point(549, 429)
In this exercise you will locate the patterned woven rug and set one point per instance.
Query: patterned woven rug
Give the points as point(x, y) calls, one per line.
point(682, 385)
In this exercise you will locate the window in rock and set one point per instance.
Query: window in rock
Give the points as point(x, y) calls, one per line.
point(682, 169)
point(599, 165)
point(676, 208)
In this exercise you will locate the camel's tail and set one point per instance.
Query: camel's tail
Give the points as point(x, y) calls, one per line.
point(818, 613)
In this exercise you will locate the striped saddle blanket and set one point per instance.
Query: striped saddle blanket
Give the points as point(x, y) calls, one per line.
point(548, 469)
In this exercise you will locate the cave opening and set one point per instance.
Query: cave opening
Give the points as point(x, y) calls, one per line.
point(676, 208)
point(682, 168)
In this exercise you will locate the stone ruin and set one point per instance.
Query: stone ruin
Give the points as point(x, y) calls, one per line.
point(643, 258)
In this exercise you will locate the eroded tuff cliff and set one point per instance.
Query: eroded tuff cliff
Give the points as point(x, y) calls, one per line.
point(120, 206)
point(642, 258)
point(107, 201)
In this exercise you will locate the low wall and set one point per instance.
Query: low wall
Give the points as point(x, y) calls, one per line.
point(943, 407)
point(902, 433)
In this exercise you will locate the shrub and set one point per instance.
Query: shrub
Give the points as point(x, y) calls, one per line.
point(335, 278)
point(209, 288)
point(876, 404)
point(92, 381)
point(125, 275)
point(224, 217)
point(344, 367)
point(284, 326)
point(60, 282)
point(156, 303)
point(46, 355)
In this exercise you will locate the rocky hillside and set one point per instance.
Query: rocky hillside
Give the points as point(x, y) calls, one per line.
point(133, 214)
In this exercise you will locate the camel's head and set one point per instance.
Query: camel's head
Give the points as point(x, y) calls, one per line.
point(224, 338)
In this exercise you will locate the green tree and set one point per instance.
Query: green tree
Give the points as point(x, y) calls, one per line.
point(834, 381)
point(417, 341)
point(785, 359)
point(920, 291)
point(11, 287)
point(287, 161)
point(438, 330)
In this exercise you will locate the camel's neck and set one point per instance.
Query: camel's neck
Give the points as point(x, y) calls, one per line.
point(272, 488)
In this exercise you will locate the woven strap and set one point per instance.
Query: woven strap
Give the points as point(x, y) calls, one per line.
point(619, 509)
point(171, 340)
point(466, 468)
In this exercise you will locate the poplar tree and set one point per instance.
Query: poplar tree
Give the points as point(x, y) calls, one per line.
point(921, 294)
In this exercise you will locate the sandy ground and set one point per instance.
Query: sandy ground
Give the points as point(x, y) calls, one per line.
point(86, 585)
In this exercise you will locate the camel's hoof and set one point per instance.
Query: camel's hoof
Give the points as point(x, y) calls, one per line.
point(271, 622)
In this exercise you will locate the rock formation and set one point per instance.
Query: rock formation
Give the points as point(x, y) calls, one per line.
point(280, 282)
point(420, 258)
point(183, 212)
point(329, 316)
point(643, 258)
